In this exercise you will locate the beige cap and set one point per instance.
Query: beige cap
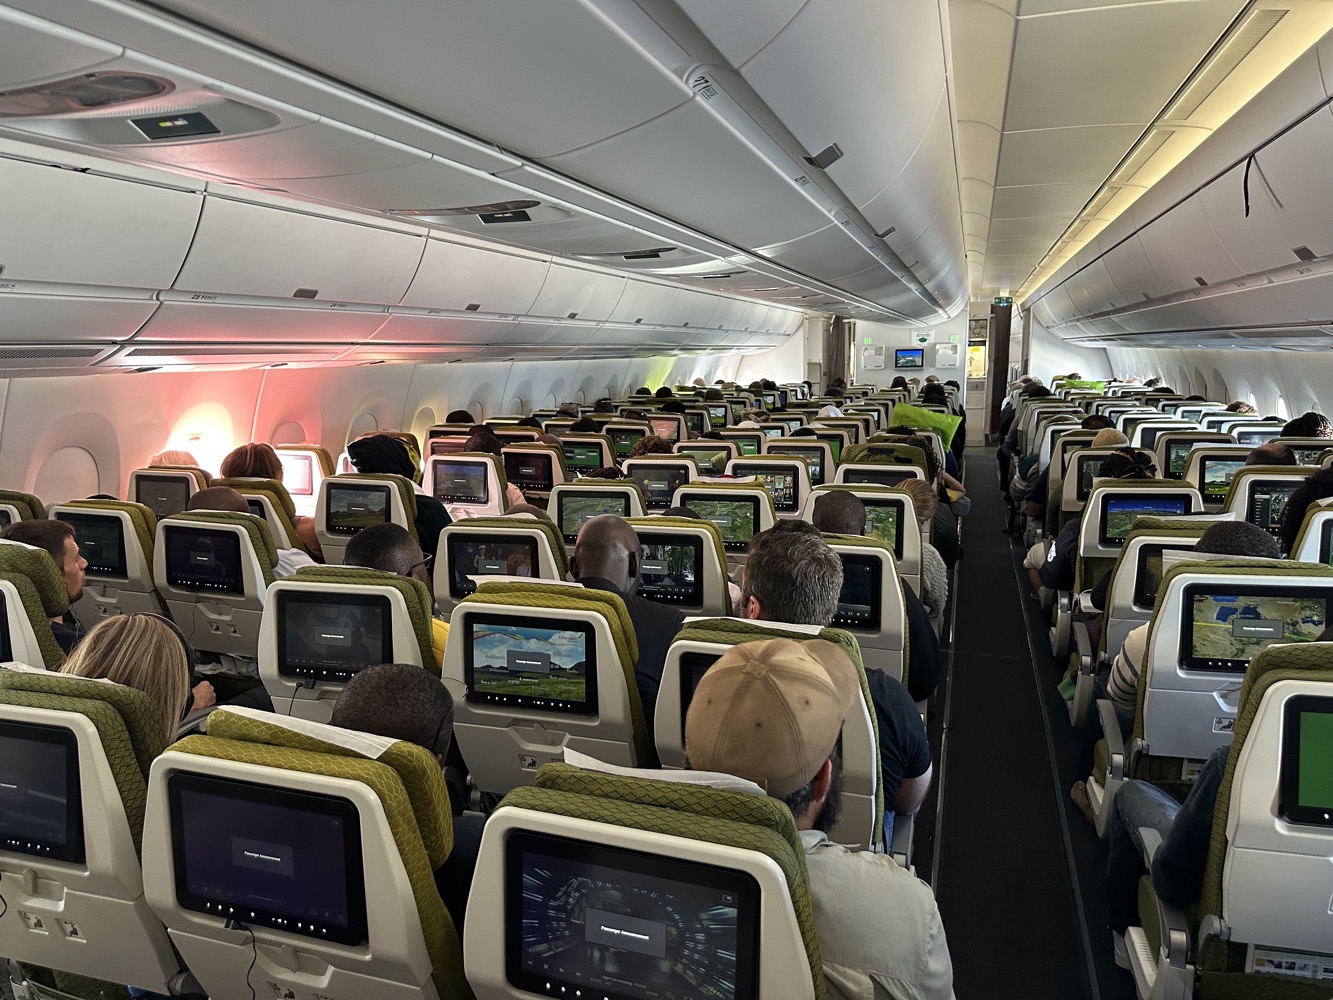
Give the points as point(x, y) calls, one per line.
point(771, 711)
point(1109, 437)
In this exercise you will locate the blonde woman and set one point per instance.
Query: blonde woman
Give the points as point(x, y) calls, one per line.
point(140, 651)
point(934, 575)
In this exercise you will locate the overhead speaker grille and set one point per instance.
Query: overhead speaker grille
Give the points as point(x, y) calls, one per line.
point(34, 353)
point(241, 350)
point(1239, 44)
point(81, 93)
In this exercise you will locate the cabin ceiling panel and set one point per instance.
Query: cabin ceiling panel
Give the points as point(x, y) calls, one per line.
point(1079, 155)
point(738, 32)
point(1035, 201)
point(34, 54)
point(185, 322)
point(1136, 278)
point(1310, 297)
point(244, 249)
point(911, 202)
point(576, 293)
point(580, 79)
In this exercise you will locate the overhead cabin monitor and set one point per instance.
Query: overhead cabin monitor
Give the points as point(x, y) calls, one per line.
point(461, 480)
point(909, 357)
point(672, 569)
point(577, 506)
point(531, 471)
point(273, 857)
point(737, 518)
point(530, 665)
point(101, 539)
point(203, 559)
point(1305, 775)
point(599, 921)
point(352, 505)
point(329, 636)
point(1118, 510)
point(41, 808)
point(1266, 501)
point(860, 600)
point(659, 478)
point(1225, 626)
point(164, 493)
point(783, 480)
point(471, 556)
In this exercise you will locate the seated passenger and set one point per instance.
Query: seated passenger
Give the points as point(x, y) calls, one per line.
point(384, 455)
point(226, 498)
point(1317, 486)
point(1036, 496)
point(934, 575)
point(57, 538)
point(608, 556)
point(173, 457)
point(403, 702)
point(1237, 406)
point(792, 576)
point(259, 461)
point(1271, 453)
point(485, 442)
point(650, 444)
point(528, 510)
point(1308, 425)
point(772, 712)
point(585, 425)
point(460, 417)
point(389, 548)
point(839, 512)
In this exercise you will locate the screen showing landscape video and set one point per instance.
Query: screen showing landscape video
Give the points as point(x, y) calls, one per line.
point(510, 660)
point(1216, 475)
point(671, 570)
point(1268, 504)
point(578, 506)
point(665, 427)
point(1227, 629)
point(1121, 512)
point(735, 519)
point(1178, 457)
point(457, 481)
point(354, 507)
point(717, 415)
point(1305, 778)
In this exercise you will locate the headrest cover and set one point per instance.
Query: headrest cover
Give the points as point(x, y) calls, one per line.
point(771, 711)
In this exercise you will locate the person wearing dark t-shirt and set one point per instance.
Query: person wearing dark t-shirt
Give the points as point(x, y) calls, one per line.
point(608, 556)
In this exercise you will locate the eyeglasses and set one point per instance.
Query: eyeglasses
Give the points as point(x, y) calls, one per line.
point(424, 564)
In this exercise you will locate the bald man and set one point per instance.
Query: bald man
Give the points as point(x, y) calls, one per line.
point(225, 498)
point(607, 556)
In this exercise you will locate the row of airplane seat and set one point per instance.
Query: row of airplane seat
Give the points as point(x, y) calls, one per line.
point(503, 737)
point(1184, 553)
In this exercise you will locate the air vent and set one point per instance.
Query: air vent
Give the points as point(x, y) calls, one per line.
point(1253, 30)
point(495, 208)
point(1200, 282)
point(147, 368)
point(1303, 253)
point(33, 353)
point(174, 351)
point(306, 293)
point(472, 307)
point(716, 277)
point(571, 315)
point(81, 93)
point(645, 254)
point(639, 320)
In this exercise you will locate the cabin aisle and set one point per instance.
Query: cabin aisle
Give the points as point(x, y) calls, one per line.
point(1017, 922)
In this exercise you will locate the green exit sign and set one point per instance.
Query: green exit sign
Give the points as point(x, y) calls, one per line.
point(868, 340)
point(1004, 300)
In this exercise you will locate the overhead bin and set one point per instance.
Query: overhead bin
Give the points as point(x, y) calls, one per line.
point(578, 293)
point(1182, 247)
point(64, 226)
point(189, 355)
point(16, 358)
point(645, 302)
point(738, 31)
point(79, 314)
point(456, 276)
point(179, 319)
point(425, 327)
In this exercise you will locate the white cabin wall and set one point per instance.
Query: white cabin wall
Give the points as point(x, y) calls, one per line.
point(1048, 355)
point(784, 363)
point(891, 337)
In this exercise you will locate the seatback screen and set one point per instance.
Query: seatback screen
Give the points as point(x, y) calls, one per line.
point(814, 460)
point(882, 475)
point(204, 559)
point(164, 495)
point(623, 439)
point(298, 473)
point(1119, 511)
point(101, 541)
point(746, 444)
point(352, 507)
point(834, 441)
point(578, 506)
point(41, 808)
point(470, 555)
point(529, 470)
point(580, 457)
point(672, 569)
point(1215, 475)
point(1227, 627)
point(1148, 571)
point(515, 661)
point(1088, 468)
point(462, 481)
point(710, 461)
point(717, 415)
point(782, 485)
point(862, 590)
point(665, 427)
point(736, 519)
point(659, 481)
point(693, 666)
point(588, 919)
point(882, 523)
point(1267, 503)
point(447, 445)
point(278, 857)
point(1305, 779)
point(1178, 458)
point(330, 637)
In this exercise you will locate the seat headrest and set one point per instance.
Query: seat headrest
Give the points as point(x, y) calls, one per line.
point(40, 569)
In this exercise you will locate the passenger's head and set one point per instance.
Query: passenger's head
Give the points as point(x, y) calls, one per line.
point(485, 442)
point(1237, 406)
point(713, 395)
point(401, 701)
point(140, 651)
point(772, 712)
point(57, 538)
point(1035, 390)
point(1238, 538)
point(388, 548)
point(604, 405)
point(218, 498)
point(791, 576)
point(839, 512)
point(1317, 486)
point(585, 425)
point(693, 515)
point(1308, 425)
point(899, 382)
point(1125, 464)
point(460, 417)
point(173, 456)
point(924, 499)
point(256, 460)
point(650, 444)
point(607, 547)
point(379, 453)
point(1271, 453)
point(1095, 422)
point(672, 406)
point(934, 393)
point(531, 423)
point(664, 392)
point(1109, 437)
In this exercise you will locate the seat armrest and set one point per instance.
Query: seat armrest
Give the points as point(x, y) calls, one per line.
point(1085, 603)
point(194, 722)
point(1087, 656)
point(1151, 840)
point(900, 848)
point(1115, 743)
point(1175, 930)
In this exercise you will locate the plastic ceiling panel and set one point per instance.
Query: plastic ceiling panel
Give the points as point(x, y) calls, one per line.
point(689, 167)
point(1182, 246)
point(1055, 307)
point(243, 249)
point(442, 331)
point(1096, 291)
point(37, 51)
point(62, 225)
point(246, 323)
point(1170, 316)
point(69, 318)
point(454, 276)
point(646, 301)
point(812, 253)
point(902, 96)
point(589, 295)
point(1289, 202)
point(739, 31)
point(733, 314)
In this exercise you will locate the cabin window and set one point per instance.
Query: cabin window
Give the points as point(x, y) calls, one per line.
point(67, 474)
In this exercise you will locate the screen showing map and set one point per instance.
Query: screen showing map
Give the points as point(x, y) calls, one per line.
point(882, 523)
point(735, 519)
point(1119, 512)
point(1268, 503)
point(1215, 475)
point(1226, 629)
point(576, 507)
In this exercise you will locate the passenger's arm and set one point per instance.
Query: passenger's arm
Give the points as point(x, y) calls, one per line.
point(912, 792)
point(953, 484)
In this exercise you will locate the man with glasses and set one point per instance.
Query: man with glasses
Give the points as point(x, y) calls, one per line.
point(390, 549)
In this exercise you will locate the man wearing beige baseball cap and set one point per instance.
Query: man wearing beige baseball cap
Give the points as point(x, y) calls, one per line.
point(772, 712)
